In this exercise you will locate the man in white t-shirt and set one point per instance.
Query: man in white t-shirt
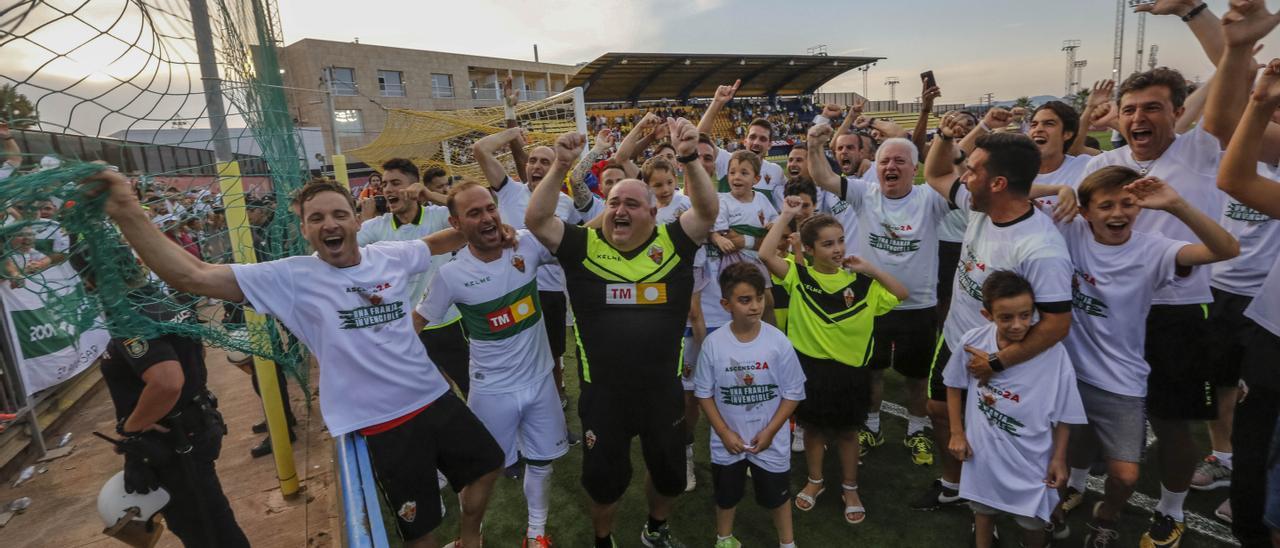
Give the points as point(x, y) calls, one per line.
point(349, 305)
point(1011, 429)
point(758, 139)
point(1005, 233)
point(898, 231)
point(512, 388)
point(410, 217)
point(1117, 273)
point(1180, 388)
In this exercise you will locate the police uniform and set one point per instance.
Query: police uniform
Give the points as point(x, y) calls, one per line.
point(198, 512)
point(631, 310)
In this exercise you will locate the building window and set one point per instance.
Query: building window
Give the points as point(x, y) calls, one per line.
point(344, 81)
point(391, 83)
point(442, 86)
point(347, 121)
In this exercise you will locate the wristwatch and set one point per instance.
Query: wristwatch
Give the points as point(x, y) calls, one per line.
point(1194, 12)
point(993, 360)
point(692, 157)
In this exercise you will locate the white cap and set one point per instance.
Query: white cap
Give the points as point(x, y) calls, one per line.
point(50, 162)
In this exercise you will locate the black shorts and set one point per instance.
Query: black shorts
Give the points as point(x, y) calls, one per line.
point(905, 339)
point(1180, 386)
point(611, 417)
point(445, 436)
point(554, 308)
point(948, 258)
point(773, 489)
point(449, 349)
point(836, 395)
point(941, 355)
point(1229, 330)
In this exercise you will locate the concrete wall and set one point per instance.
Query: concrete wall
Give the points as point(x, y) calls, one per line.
point(304, 62)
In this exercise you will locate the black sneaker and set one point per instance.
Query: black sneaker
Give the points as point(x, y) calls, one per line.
point(261, 428)
point(264, 448)
point(573, 438)
point(659, 539)
point(515, 471)
point(936, 497)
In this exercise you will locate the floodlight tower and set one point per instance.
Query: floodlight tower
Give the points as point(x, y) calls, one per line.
point(1151, 59)
point(1070, 47)
point(1079, 75)
point(892, 82)
point(1118, 50)
point(864, 69)
point(1142, 31)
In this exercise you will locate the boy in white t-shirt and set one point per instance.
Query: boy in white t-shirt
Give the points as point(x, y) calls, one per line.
point(1118, 272)
point(748, 213)
point(1011, 431)
point(748, 382)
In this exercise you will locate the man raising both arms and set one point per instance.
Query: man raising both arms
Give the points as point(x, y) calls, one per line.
point(512, 390)
point(631, 283)
point(349, 306)
point(1005, 233)
point(758, 139)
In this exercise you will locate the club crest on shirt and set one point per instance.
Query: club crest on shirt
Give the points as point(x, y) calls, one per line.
point(408, 511)
point(655, 253)
point(849, 297)
point(518, 262)
point(760, 215)
point(589, 438)
point(136, 347)
point(748, 379)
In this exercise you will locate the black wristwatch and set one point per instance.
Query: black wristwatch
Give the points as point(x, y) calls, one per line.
point(1194, 12)
point(993, 360)
point(692, 157)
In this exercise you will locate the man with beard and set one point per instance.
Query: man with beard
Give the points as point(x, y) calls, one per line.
point(631, 282)
point(758, 139)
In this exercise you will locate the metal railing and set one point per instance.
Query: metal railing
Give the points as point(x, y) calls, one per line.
point(361, 513)
point(391, 90)
point(442, 92)
point(494, 94)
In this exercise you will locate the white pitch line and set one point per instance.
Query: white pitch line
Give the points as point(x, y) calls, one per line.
point(1208, 527)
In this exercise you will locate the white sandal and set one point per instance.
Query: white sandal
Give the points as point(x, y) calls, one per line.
point(853, 509)
point(810, 500)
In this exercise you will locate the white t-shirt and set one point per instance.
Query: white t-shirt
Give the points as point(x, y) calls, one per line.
point(372, 366)
point(835, 206)
point(1070, 173)
point(1030, 246)
point(501, 312)
point(901, 236)
point(772, 178)
point(1190, 166)
point(7, 169)
point(1259, 237)
point(748, 382)
point(706, 282)
point(1009, 424)
point(513, 200)
point(1265, 308)
point(670, 212)
point(1112, 290)
point(953, 226)
point(386, 228)
point(749, 218)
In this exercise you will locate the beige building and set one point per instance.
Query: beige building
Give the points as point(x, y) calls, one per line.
point(366, 76)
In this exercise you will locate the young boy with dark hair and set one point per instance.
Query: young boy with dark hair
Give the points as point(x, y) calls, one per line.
point(748, 382)
point(1011, 431)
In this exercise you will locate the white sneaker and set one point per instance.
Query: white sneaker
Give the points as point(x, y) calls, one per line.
point(1224, 511)
point(690, 480)
point(797, 440)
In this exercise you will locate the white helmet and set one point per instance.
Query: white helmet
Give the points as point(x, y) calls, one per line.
point(114, 504)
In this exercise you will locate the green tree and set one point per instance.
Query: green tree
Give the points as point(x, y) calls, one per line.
point(1024, 102)
point(16, 109)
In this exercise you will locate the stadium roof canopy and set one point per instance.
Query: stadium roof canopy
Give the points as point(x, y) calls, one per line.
point(655, 76)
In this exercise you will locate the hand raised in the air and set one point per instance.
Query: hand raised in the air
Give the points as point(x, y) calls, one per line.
point(1267, 88)
point(1152, 193)
point(510, 95)
point(819, 134)
point(831, 111)
point(1167, 7)
point(1247, 22)
point(997, 118)
point(569, 147)
point(684, 136)
point(604, 139)
point(1101, 93)
point(724, 94)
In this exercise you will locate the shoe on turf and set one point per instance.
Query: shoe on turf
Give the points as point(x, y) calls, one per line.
point(659, 539)
point(868, 440)
point(1224, 511)
point(515, 471)
point(1072, 500)
point(539, 541)
point(936, 497)
point(731, 542)
point(690, 480)
point(1164, 532)
point(797, 440)
point(921, 446)
point(1210, 474)
point(1056, 529)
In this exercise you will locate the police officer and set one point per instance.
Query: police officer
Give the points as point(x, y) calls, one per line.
point(171, 431)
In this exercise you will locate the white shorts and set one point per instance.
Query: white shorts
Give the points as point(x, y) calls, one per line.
point(528, 420)
point(690, 359)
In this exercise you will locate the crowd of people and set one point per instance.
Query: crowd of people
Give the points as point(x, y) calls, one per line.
point(1046, 303)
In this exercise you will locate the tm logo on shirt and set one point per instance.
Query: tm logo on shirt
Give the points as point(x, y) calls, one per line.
point(648, 293)
point(369, 316)
point(511, 315)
